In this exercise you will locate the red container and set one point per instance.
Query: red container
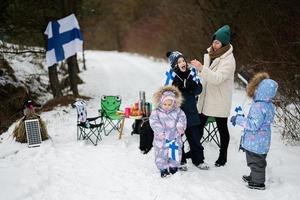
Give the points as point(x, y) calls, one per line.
point(127, 112)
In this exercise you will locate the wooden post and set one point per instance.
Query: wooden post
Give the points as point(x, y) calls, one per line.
point(121, 127)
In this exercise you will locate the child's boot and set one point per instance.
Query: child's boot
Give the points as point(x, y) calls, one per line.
point(257, 186)
point(164, 173)
point(173, 170)
point(246, 178)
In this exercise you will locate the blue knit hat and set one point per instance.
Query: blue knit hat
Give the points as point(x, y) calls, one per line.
point(173, 57)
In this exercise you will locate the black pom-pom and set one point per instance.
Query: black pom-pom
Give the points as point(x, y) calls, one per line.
point(168, 54)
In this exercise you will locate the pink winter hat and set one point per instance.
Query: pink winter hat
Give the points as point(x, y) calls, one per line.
point(168, 95)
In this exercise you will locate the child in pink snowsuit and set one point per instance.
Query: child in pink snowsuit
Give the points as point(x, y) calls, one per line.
point(168, 122)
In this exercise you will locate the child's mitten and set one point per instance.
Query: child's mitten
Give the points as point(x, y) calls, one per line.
point(190, 84)
point(161, 136)
point(233, 119)
point(180, 131)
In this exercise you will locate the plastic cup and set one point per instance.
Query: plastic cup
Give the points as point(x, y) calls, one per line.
point(127, 111)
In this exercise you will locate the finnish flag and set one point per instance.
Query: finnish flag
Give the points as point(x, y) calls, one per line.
point(64, 39)
point(173, 146)
point(170, 77)
point(193, 73)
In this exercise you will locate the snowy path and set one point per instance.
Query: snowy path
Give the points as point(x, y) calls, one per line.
point(115, 169)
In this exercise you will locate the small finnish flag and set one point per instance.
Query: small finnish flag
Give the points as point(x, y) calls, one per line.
point(64, 39)
point(170, 76)
point(193, 73)
point(173, 150)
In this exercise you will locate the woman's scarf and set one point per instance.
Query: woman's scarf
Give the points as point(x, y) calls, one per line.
point(215, 54)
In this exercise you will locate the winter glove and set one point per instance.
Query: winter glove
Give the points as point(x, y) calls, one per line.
point(233, 119)
point(178, 83)
point(190, 84)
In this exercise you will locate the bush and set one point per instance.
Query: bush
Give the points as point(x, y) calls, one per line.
point(288, 114)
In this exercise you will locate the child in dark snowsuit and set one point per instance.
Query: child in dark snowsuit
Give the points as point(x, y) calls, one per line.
point(189, 85)
point(257, 128)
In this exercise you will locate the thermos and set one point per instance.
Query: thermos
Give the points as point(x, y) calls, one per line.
point(147, 109)
point(142, 101)
point(142, 106)
point(142, 95)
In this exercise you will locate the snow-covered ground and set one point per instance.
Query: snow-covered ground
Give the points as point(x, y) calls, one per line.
point(65, 169)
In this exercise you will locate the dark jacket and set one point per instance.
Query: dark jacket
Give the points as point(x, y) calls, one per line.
point(189, 89)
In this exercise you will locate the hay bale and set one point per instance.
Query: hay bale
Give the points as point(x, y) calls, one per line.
point(20, 133)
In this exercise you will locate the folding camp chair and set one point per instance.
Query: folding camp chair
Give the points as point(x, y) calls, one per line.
point(110, 105)
point(212, 131)
point(87, 128)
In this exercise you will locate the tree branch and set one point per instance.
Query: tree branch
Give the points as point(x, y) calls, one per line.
point(21, 52)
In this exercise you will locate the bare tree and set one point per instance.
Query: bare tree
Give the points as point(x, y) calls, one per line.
point(54, 82)
point(72, 69)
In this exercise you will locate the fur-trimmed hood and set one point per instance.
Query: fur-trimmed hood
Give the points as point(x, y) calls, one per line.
point(158, 95)
point(261, 87)
point(254, 82)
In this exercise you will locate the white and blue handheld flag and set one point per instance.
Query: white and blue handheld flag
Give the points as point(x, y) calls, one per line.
point(239, 110)
point(193, 73)
point(64, 39)
point(173, 153)
point(170, 77)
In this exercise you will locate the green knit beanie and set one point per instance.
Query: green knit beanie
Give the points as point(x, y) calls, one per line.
point(223, 35)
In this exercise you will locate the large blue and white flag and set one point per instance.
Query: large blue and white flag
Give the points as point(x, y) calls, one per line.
point(64, 39)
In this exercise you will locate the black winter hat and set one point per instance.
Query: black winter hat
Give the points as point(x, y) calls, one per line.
point(28, 103)
point(173, 57)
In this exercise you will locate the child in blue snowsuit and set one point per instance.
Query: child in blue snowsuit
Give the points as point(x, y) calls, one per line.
point(257, 128)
